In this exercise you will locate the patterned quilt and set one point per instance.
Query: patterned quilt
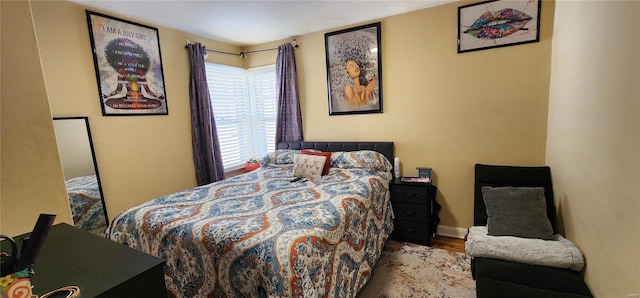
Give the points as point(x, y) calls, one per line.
point(260, 235)
point(86, 202)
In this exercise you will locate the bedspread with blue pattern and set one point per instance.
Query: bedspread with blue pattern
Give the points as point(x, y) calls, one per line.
point(260, 235)
point(86, 202)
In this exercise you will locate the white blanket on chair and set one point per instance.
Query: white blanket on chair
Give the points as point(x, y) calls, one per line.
point(558, 252)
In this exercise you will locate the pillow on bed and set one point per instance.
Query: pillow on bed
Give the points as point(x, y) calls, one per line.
point(327, 162)
point(280, 157)
point(517, 211)
point(365, 159)
point(308, 166)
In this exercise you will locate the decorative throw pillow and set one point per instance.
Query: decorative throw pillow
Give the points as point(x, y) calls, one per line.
point(308, 166)
point(280, 157)
point(363, 159)
point(327, 161)
point(517, 211)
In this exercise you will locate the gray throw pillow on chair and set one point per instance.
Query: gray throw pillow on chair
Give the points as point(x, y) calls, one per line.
point(517, 211)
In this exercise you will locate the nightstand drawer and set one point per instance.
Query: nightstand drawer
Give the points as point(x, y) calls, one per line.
point(415, 195)
point(412, 231)
point(412, 212)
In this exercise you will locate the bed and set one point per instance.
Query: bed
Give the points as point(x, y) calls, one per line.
point(260, 235)
point(86, 202)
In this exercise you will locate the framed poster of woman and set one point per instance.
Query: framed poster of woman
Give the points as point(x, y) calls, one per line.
point(354, 70)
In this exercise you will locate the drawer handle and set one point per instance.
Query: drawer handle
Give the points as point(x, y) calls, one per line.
point(409, 230)
point(408, 213)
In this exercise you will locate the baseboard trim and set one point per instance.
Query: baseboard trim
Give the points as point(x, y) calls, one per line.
point(454, 232)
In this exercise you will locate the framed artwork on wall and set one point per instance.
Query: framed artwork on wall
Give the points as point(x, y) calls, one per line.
point(354, 70)
point(498, 23)
point(128, 66)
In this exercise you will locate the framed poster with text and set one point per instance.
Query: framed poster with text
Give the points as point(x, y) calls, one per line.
point(128, 66)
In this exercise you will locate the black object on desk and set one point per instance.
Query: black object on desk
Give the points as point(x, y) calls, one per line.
point(29, 247)
point(98, 266)
point(415, 210)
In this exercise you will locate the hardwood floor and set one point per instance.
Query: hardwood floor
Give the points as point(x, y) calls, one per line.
point(448, 243)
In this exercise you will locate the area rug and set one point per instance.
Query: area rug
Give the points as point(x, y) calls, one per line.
point(411, 270)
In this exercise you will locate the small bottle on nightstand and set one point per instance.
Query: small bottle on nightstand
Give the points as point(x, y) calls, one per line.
point(396, 167)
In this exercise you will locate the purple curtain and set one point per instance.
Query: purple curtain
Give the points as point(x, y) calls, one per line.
point(206, 149)
point(289, 121)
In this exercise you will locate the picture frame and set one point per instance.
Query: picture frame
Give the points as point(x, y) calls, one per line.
point(354, 70)
point(128, 66)
point(484, 25)
point(424, 172)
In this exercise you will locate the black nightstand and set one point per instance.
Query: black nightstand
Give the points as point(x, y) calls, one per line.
point(413, 207)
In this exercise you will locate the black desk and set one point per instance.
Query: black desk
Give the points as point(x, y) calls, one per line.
point(99, 266)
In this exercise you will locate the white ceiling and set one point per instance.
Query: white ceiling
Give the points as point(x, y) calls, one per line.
point(246, 23)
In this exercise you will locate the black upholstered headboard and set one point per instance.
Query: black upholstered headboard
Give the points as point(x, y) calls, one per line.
point(386, 148)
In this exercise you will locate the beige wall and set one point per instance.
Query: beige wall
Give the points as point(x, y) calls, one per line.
point(32, 180)
point(593, 144)
point(139, 157)
point(444, 110)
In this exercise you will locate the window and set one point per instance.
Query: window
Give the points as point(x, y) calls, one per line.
point(244, 106)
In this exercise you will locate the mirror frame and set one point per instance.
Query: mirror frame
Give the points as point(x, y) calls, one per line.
point(93, 157)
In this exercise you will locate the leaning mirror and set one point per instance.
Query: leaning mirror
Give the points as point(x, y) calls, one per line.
point(81, 175)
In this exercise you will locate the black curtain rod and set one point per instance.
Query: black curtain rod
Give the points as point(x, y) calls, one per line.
point(242, 54)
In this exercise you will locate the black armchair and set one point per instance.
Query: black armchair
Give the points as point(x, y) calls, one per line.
point(500, 278)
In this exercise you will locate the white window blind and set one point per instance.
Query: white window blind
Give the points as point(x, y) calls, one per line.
point(244, 107)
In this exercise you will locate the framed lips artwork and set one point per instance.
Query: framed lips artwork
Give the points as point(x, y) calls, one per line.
point(498, 23)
